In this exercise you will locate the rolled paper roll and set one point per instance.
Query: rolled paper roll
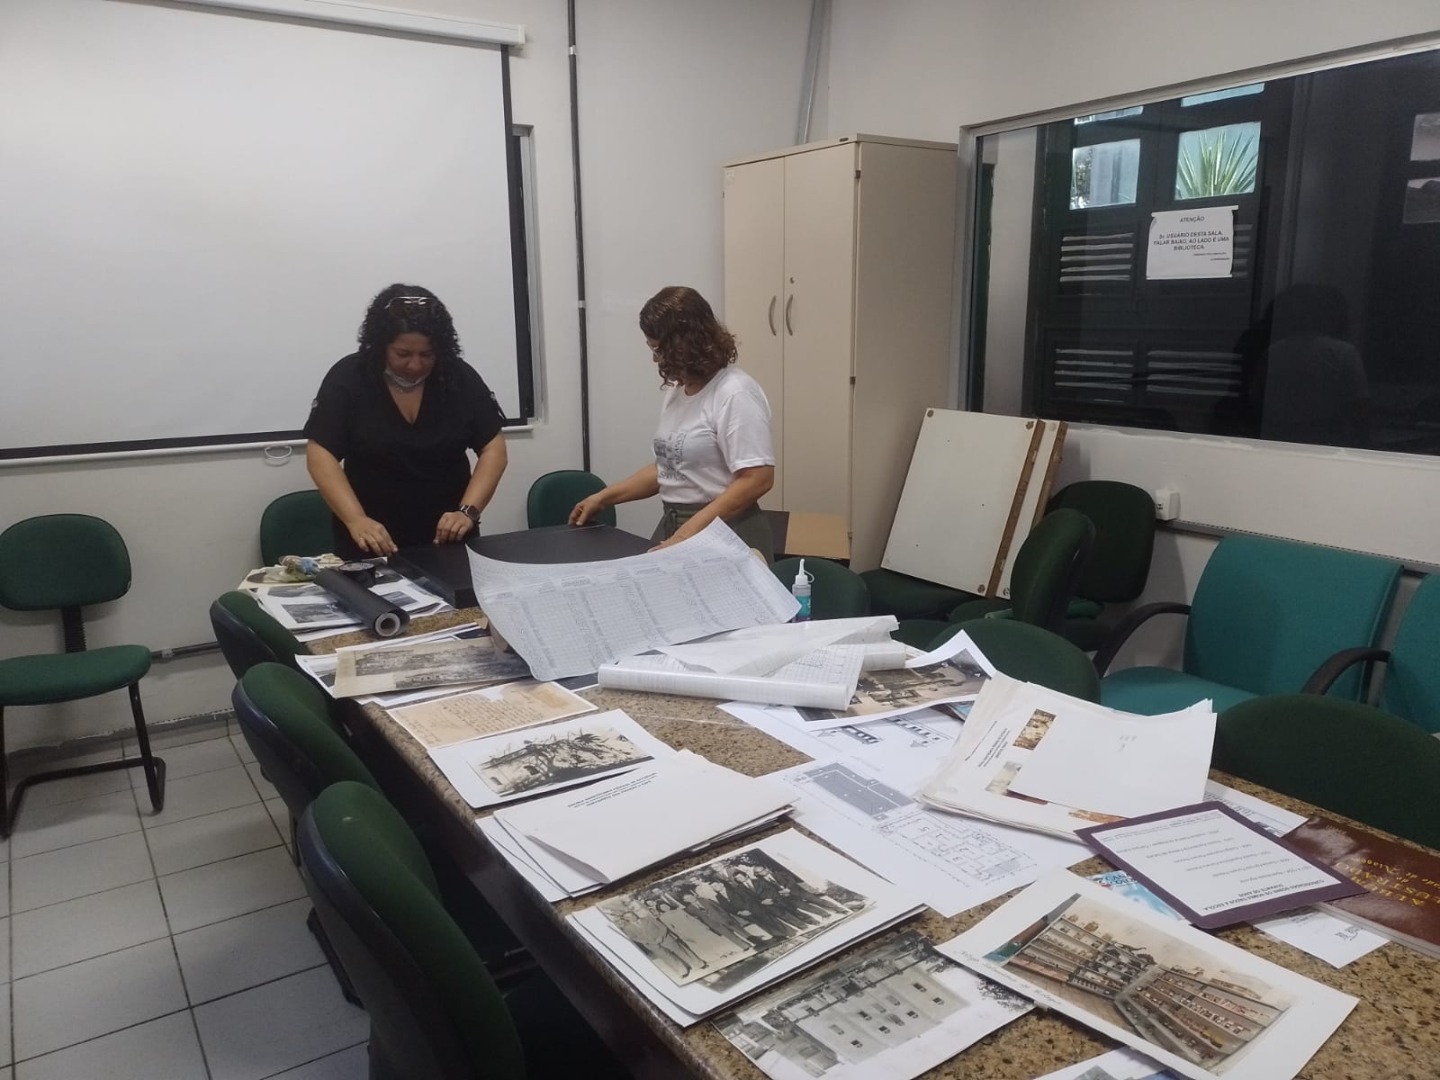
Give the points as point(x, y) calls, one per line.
point(378, 615)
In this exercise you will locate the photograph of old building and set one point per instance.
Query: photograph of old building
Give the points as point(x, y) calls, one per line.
point(852, 1011)
point(1170, 993)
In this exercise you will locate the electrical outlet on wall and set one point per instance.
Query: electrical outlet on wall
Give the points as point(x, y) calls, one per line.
point(1167, 504)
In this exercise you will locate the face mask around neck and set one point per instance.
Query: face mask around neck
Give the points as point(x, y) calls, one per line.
point(404, 383)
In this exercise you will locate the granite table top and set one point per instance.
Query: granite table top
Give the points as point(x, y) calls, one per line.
point(1392, 1034)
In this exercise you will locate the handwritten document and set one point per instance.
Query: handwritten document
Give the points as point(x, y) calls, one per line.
point(454, 719)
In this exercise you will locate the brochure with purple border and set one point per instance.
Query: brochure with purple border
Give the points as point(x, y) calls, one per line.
point(1215, 867)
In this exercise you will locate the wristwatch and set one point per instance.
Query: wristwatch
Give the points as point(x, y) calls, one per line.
point(471, 512)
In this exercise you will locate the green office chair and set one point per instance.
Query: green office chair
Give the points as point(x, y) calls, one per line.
point(1266, 614)
point(554, 495)
point(249, 635)
point(908, 597)
point(1346, 757)
point(1119, 564)
point(435, 1012)
point(1411, 689)
point(1030, 653)
point(836, 592)
point(67, 562)
point(286, 721)
point(296, 524)
point(1043, 579)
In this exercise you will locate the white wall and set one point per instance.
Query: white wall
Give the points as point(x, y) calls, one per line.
point(924, 68)
point(671, 90)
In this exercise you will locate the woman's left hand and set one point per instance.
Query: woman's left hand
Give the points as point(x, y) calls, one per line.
point(453, 526)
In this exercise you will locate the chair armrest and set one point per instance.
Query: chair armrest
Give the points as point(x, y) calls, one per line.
point(1326, 674)
point(1129, 624)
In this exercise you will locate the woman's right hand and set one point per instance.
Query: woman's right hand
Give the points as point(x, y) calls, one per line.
point(371, 537)
point(586, 509)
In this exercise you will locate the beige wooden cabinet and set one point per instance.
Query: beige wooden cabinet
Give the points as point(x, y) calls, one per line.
point(839, 259)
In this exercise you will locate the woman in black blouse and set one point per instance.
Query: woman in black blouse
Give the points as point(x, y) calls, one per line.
point(390, 428)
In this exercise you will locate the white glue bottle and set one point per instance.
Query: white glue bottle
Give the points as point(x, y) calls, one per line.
point(800, 589)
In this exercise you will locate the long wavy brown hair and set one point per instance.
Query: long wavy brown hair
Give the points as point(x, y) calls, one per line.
point(691, 345)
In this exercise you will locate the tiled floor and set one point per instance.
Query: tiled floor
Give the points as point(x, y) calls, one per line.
point(165, 946)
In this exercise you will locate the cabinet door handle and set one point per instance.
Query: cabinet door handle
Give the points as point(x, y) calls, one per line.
point(771, 315)
point(789, 303)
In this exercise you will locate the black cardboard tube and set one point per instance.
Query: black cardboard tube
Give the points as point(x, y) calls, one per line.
point(381, 618)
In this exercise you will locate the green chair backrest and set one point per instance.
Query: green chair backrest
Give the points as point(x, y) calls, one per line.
point(435, 1012)
point(296, 524)
point(285, 718)
point(1341, 755)
point(1047, 566)
point(248, 626)
point(62, 561)
point(554, 495)
point(1032, 653)
point(1412, 677)
point(1268, 612)
point(836, 592)
point(1124, 520)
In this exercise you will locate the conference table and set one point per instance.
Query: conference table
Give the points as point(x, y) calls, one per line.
point(1392, 1034)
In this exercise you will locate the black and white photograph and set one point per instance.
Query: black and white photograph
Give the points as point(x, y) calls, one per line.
point(538, 760)
point(887, 1012)
point(474, 662)
point(1425, 139)
point(883, 692)
point(722, 922)
point(1422, 201)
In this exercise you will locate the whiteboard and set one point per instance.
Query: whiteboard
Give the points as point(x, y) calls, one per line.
point(963, 497)
point(199, 205)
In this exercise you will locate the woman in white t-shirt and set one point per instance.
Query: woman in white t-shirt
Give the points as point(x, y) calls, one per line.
point(713, 454)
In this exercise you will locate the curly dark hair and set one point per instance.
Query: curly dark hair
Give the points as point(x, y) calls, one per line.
point(383, 325)
point(691, 343)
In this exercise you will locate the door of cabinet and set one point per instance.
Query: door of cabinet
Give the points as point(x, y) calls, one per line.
point(818, 328)
point(754, 216)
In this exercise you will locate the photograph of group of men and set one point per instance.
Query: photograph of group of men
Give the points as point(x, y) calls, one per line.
point(721, 922)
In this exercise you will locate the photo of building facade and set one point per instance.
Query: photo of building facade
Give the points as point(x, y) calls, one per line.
point(1180, 1001)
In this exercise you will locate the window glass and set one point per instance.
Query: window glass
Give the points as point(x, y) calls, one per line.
point(1104, 174)
point(1217, 161)
point(1221, 95)
point(1134, 110)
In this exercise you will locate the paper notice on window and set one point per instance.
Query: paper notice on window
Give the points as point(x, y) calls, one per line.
point(1195, 243)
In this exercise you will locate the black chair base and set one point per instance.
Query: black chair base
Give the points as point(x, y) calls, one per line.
point(154, 769)
point(347, 988)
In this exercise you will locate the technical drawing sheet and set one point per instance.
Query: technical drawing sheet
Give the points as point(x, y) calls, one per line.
point(951, 863)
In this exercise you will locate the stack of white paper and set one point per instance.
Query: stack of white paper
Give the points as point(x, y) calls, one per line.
point(575, 842)
point(699, 940)
point(539, 760)
point(1090, 764)
point(951, 863)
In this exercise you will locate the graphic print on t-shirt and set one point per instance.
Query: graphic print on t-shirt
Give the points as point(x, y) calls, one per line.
point(670, 455)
